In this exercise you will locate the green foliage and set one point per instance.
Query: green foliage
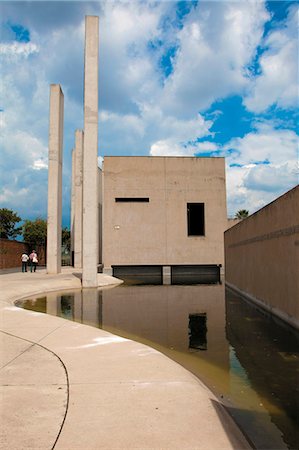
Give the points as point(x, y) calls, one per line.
point(242, 214)
point(35, 232)
point(66, 239)
point(8, 220)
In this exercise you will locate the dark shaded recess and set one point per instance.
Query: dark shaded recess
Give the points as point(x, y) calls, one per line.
point(195, 274)
point(132, 199)
point(196, 219)
point(139, 274)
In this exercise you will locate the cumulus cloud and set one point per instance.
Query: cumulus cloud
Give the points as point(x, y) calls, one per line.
point(265, 143)
point(260, 167)
point(216, 44)
point(9, 50)
point(169, 147)
point(278, 81)
point(146, 107)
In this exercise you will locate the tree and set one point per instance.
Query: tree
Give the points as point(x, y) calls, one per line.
point(35, 232)
point(8, 221)
point(66, 239)
point(242, 214)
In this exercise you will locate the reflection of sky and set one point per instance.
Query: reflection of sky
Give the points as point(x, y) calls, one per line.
point(236, 369)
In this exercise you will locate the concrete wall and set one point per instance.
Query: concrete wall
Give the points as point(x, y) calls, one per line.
point(156, 232)
point(262, 260)
point(232, 222)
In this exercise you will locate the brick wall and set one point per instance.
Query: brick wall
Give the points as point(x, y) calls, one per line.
point(11, 252)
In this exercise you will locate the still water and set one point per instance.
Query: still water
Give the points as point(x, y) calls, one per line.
point(250, 361)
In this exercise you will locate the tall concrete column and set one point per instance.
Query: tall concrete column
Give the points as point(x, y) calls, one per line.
point(73, 206)
point(90, 154)
point(79, 139)
point(55, 179)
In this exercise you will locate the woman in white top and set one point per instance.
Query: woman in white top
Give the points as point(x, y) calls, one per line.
point(33, 260)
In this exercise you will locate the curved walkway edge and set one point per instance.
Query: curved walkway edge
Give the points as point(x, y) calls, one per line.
point(66, 385)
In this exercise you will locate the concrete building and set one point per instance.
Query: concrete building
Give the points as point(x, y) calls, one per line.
point(164, 218)
point(262, 257)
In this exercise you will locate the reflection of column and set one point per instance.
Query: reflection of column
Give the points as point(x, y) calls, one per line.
point(78, 306)
point(55, 180)
point(92, 307)
point(90, 155)
point(78, 187)
point(53, 304)
point(73, 206)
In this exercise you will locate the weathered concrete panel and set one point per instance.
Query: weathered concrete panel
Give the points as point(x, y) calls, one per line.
point(262, 257)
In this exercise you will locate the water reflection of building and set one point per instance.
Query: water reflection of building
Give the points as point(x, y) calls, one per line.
point(72, 306)
point(269, 355)
point(159, 316)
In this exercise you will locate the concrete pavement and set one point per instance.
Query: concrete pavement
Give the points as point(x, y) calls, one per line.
point(66, 385)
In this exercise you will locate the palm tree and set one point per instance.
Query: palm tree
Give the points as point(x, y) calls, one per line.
point(242, 214)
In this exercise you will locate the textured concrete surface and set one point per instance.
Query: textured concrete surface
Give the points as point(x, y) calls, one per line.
point(66, 385)
point(55, 179)
point(79, 137)
point(90, 233)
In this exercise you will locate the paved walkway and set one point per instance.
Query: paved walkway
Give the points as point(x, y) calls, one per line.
point(66, 385)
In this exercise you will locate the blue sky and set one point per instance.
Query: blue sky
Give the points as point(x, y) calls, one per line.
point(206, 78)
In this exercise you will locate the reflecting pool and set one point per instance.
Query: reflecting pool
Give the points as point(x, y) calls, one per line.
point(249, 360)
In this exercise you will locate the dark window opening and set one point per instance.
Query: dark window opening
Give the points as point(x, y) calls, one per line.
point(198, 331)
point(196, 219)
point(132, 199)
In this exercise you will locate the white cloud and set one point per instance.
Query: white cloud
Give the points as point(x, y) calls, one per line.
point(17, 49)
point(252, 184)
point(278, 82)
point(141, 110)
point(168, 147)
point(265, 143)
point(207, 146)
point(216, 44)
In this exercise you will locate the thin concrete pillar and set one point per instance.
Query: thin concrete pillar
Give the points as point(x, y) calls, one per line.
point(55, 179)
point(79, 137)
point(73, 206)
point(90, 154)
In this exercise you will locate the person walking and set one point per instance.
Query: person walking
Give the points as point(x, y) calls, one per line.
point(24, 259)
point(33, 260)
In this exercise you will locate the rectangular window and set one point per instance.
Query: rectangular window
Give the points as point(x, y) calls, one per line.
point(132, 199)
point(196, 219)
